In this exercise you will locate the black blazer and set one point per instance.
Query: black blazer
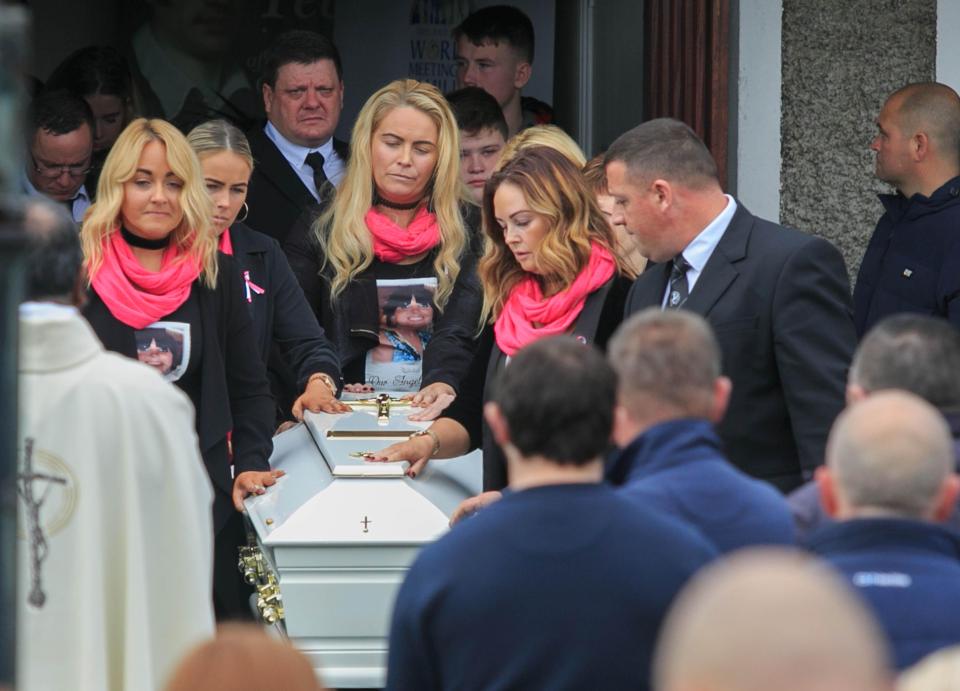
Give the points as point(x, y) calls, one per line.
point(276, 196)
point(288, 336)
point(234, 393)
point(779, 303)
point(599, 319)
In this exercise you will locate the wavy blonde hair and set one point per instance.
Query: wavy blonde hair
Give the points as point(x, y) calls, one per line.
point(550, 136)
point(194, 235)
point(555, 190)
point(341, 230)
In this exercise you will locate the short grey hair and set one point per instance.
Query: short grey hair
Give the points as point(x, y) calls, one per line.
point(670, 357)
point(667, 149)
point(892, 451)
point(912, 352)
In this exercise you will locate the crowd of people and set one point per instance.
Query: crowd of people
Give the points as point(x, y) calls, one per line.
point(707, 464)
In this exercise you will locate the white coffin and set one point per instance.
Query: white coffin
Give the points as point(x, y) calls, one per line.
point(339, 533)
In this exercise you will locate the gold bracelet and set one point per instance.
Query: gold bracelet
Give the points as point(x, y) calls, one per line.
point(428, 433)
point(326, 379)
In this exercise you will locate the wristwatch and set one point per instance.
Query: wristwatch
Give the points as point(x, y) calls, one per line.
point(428, 433)
point(326, 379)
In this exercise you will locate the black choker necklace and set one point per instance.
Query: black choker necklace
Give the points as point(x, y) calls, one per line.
point(143, 243)
point(380, 201)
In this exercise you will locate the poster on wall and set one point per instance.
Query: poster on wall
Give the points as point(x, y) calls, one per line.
point(432, 54)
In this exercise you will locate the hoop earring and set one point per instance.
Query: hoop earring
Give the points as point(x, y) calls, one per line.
point(246, 212)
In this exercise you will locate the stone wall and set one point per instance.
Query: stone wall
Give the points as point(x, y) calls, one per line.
point(840, 61)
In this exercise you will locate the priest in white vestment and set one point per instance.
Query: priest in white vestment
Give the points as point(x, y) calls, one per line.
point(115, 542)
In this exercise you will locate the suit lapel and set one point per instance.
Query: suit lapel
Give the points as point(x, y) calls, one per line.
point(720, 271)
point(275, 168)
point(648, 289)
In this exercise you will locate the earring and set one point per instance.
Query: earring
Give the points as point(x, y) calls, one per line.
point(246, 212)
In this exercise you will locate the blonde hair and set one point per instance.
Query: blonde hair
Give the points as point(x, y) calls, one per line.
point(550, 136)
point(554, 189)
point(214, 136)
point(194, 235)
point(341, 230)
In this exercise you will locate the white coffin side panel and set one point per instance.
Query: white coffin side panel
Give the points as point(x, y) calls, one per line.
point(340, 544)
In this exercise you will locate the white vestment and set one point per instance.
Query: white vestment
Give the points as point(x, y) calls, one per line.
point(115, 539)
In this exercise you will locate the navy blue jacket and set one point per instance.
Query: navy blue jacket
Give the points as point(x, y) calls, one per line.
point(912, 263)
point(678, 468)
point(556, 587)
point(908, 571)
point(287, 334)
point(808, 513)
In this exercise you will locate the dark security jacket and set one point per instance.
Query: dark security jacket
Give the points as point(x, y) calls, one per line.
point(678, 468)
point(908, 571)
point(912, 263)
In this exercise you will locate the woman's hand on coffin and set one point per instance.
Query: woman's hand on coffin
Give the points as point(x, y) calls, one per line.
point(358, 388)
point(252, 482)
point(434, 399)
point(416, 451)
point(433, 410)
point(470, 506)
point(318, 398)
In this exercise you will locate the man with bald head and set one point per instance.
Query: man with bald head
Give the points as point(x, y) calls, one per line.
point(778, 299)
point(770, 619)
point(889, 481)
point(912, 263)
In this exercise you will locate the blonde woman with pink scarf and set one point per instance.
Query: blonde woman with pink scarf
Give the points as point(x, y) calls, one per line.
point(397, 218)
point(152, 262)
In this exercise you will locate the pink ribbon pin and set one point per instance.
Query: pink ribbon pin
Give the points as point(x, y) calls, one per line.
point(251, 286)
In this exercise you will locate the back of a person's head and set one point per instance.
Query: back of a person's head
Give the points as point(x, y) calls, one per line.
point(93, 70)
point(54, 256)
point(770, 620)
point(666, 149)
point(301, 47)
point(557, 396)
point(499, 23)
point(890, 453)
point(939, 671)
point(665, 360)
point(549, 136)
point(934, 109)
point(911, 352)
point(476, 110)
point(59, 112)
point(244, 658)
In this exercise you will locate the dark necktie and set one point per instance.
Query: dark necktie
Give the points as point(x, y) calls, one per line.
point(315, 161)
point(679, 290)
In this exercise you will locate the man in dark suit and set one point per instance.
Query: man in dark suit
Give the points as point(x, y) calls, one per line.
point(777, 299)
point(296, 157)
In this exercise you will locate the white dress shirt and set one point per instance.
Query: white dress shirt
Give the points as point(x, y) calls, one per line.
point(698, 252)
point(296, 156)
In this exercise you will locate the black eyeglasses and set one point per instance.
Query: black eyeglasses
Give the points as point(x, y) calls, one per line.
point(53, 171)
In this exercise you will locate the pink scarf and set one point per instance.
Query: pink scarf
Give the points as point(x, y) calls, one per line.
point(136, 296)
point(226, 244)
point(514, 327)
point(393, 244)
